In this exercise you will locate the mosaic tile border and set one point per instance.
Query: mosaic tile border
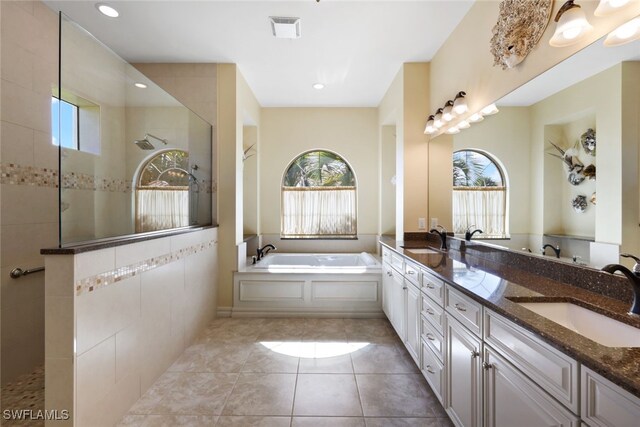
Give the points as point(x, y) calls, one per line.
point(14, 174)
point(102, 280)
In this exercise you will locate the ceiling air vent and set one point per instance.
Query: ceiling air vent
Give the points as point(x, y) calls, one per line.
point(285, 27)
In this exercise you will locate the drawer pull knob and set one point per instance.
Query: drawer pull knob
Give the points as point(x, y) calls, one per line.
point(486, 366)
point(474, 354)
point(430, 369)
point(460, 307)
point(430, 311)
point(411, 272)
point(430, 337)
point(404, 287)
point(430, 286)
point(390, 274)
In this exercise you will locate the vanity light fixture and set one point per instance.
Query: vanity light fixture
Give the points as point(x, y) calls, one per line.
point(447, 112)
point(571, 24)
point(318, 86)
point(464, 125)
point(107, 10)
point(625, 33)
point(437, 119)
point(476, 117)
point(460, 104)
point(430, 129)
point(453, 130)
point(606, 7)
point(140, 85)
point(489, 110)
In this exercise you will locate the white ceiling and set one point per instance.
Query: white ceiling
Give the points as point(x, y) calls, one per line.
point(588, 62)
point(354, 47)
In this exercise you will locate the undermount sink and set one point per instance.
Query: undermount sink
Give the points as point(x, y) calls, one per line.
point(422, 251)
point(595, 326)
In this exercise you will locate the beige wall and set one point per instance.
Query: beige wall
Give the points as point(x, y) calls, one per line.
point(28, 217)
point(388, 179)
point(250, 182)
point(630, 157)
point(464, 62)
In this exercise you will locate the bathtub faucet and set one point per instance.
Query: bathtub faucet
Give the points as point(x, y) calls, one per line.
point(264, 250)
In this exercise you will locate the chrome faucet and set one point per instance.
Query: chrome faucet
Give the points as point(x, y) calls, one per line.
point(443, 236)
point(556, 249)
point(262, 252)
point(469, 234)
point(633, 276)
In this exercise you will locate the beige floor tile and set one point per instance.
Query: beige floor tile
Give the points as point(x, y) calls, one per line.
point(167, 421)
point(328, 422)
point(262, 394)
point(269, 360)
point(397, 395)
point(213, 357)
point(327, 395)
point(405, 422)
point(375, 331)
point(383, 359)
point(181, 393)
point(326, 365)
point(253, 421)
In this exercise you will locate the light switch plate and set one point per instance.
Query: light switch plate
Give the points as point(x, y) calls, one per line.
point(434, 222)
point(422, 224)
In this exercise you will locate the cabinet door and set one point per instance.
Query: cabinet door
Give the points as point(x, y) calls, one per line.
point(512, 399)
point(398, 305)
point(387, 284)
point(463, 374)
point(413, 321)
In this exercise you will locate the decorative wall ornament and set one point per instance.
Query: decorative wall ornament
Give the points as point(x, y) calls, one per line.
point(520, 25)
point(590, 172)
point(588, 141)
point(593, 198)
point(573, 165)
point(579, 203)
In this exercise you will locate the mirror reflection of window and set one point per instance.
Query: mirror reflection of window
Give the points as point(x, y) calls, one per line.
point(319, 197)
point(479, 194)
point(162, 192)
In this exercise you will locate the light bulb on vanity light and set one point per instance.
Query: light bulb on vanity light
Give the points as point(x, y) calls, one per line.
point(430, 128)
point(607, 7)
point(437, 119)
point(107, 10)
point(460, 104)
point(453, 130)
point(489, 110)
point(625, 33)
point(476, 117)
point(464, 125)
point(447, 112)
point(571, 25)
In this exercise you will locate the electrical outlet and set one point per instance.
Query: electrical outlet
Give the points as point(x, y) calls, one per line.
point(422, 224)
point(434, 222)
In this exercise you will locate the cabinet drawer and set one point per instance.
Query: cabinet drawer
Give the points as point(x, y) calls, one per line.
point(433, 371)
point(553, 370)
point(606, 404)
point(411, 273)
point(397, 262)
point(433, 313)
point(433, 338)
point(463, 308)
point(433, 287)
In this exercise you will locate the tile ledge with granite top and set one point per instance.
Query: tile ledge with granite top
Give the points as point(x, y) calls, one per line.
point(511, 285)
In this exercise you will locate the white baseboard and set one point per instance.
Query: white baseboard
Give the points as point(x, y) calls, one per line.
point(304, 312)
point(223, 312)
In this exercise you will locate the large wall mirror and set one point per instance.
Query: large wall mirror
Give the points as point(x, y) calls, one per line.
point(557, 165)
point(132, 158)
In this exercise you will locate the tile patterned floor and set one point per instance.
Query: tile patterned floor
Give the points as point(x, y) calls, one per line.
point(293, 373)
point(25, 393)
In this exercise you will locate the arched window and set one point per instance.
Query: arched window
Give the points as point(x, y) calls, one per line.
point(162, 192)
point(479, 194)
point(319, 197)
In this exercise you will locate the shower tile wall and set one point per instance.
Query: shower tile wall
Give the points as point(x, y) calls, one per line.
point(28, 180)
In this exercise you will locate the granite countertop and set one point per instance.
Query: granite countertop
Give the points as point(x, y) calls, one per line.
point(498, 286)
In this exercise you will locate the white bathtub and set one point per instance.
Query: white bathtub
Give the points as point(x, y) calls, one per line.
point(320, 285)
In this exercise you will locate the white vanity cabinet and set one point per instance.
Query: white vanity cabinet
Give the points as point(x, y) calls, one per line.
point(463, 373)
point(398, 304)
point(604, 404)
point(414, 301)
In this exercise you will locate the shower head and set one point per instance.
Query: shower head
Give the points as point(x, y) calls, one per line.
point(144, 144)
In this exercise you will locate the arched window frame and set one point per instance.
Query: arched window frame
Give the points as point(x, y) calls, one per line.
point(493, 217)
point(306, 208)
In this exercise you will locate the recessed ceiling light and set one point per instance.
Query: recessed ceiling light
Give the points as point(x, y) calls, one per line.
point(107, 10)
point(318, 86)
point(140, 85)
point(285, 27)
